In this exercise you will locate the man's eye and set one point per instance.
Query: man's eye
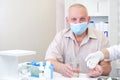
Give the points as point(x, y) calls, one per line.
point(82, 19)
point(73, 19)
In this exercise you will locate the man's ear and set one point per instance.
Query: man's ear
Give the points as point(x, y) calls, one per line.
point(67, 21)
point(89, 19)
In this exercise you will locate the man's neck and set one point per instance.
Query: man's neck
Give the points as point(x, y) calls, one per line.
point(79, 38)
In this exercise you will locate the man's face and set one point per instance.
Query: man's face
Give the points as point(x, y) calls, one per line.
point(77, 15)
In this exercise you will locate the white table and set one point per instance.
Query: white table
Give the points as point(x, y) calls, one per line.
point(82, 76)
point(57, 76)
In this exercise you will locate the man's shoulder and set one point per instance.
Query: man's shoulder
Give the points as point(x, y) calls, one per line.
point(100, 37)
point(63, 32)
point(95, 31)
point(92, 32)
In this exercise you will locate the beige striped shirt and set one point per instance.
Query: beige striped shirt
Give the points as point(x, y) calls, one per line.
point(64, 46)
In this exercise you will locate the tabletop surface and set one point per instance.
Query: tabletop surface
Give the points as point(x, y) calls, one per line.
point(57, 76)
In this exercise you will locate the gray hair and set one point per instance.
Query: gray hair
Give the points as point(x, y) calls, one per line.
point(77, 5)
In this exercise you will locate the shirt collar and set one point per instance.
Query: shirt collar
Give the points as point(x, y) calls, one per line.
point(91, 34)
point(69, 34)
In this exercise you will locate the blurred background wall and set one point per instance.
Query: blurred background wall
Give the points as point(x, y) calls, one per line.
point(27, 25)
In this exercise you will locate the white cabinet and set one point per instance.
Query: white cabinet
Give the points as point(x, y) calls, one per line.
point(95, 7)
point(103, 9)
point(119, 22)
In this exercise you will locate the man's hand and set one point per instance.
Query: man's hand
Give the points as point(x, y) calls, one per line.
point(94, 58)
point(67, 70)
point(96, 72)
point(64, 69)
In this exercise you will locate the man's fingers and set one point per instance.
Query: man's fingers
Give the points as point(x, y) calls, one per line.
point(97, 71)
point(67, 71)
point(94, 74)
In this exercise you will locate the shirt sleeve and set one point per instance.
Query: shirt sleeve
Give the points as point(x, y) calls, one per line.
point(114, 52)
point(54, 50)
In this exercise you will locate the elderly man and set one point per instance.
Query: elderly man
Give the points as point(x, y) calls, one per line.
point(78, 40)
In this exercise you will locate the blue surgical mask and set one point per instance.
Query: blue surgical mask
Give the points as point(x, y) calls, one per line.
point(79, 28)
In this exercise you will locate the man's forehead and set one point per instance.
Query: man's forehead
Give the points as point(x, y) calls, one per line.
point(77, 12)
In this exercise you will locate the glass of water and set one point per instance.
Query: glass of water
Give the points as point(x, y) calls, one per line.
point(74, 63)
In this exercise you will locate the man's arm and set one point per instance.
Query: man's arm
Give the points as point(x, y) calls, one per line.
point(93, 61)
point(103, 69)
point(64, 69)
